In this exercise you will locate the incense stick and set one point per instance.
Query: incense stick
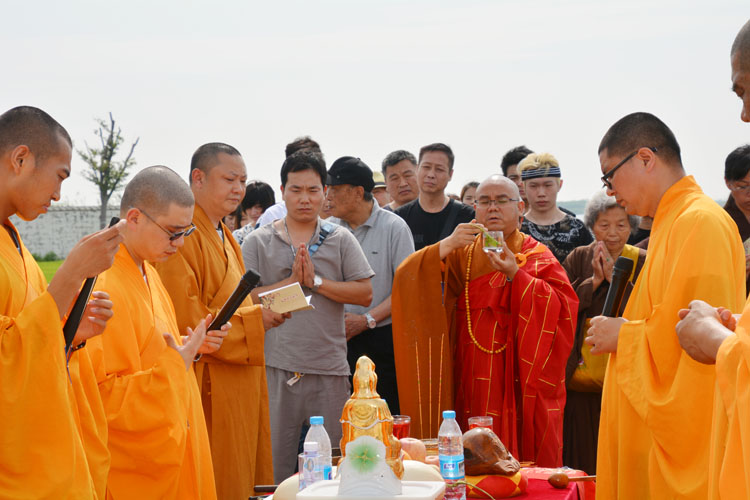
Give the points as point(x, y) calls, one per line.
point(419, 389)
point(429, 358)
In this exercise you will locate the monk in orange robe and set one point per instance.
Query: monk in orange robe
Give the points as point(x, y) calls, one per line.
point(706, 335)
point(656, 405)
point(490, 334)
point(200, 277)
point(157, 433)
point(53, 441)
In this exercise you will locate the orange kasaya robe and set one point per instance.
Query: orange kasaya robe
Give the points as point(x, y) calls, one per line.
point(41, 451)
point(157, 433)
point(200, 278)
point(657, 401)
point(730, 454)
point(528, 324)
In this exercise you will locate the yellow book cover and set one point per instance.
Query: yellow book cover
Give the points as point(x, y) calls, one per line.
point(289, 298)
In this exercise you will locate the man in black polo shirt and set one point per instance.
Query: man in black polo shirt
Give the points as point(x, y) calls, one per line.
point(433, 215)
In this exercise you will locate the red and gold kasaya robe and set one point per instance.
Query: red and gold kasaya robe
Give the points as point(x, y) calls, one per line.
point(527, 323)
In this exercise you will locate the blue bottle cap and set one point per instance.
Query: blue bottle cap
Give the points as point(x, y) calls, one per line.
point(316, 420)
point(449, 414)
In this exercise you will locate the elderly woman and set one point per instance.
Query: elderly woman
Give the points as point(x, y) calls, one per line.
point(590, 271)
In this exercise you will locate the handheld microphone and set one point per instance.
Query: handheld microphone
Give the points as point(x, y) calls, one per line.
point(76, 314)
point(620, 274)
point(244, 287)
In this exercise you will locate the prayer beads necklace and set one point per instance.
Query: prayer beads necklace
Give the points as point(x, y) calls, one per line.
point(468, 311)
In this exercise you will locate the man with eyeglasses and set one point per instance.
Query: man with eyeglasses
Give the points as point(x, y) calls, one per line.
point(647, 448)
point(713, 335)
point(200, 277)
point(157, 434)
point(737, 179)
point(491, 332)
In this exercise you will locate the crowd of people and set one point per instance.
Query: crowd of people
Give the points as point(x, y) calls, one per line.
point(146, 401)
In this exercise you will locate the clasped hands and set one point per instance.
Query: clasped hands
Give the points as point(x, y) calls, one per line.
point(702, 328)
point(603, 264)
point(303, 269)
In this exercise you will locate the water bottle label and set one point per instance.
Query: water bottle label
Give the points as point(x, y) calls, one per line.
point(327, 472)
point(452, 466)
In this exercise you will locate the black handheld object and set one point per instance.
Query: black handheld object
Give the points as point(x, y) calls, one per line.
point(620, 275)
point(244, 287)
point(76, 314)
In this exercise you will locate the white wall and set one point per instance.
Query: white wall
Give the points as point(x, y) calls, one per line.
point(60, 229)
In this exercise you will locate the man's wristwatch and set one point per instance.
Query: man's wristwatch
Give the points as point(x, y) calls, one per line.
point(317, 281)
point(371, 323)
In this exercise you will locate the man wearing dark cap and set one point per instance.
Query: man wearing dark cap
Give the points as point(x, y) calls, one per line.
point(386, 240)
point(305, 357)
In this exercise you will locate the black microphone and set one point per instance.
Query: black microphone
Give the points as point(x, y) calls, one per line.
point(620, 275)
point(76, 314)
point(244, 287)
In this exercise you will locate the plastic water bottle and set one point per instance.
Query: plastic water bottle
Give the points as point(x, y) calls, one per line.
point(311, 472)
point(451, 454)
point(318, 434)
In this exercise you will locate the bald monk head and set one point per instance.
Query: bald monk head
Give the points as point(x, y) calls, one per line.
point(640, 159)
point(740, 58)
point(35, 155)
point(498, 204)
point(158, 207)
point(217, 178)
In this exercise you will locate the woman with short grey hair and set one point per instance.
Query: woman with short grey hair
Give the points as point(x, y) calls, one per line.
point(601, 202)
point(589, 269)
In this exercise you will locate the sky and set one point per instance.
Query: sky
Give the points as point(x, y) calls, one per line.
point(364, 78)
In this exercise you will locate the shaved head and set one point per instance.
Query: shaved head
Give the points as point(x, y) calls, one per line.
point(498, 180)
point(641, 130)
point(33, 128)
point(496, 217)
point(154, 189)
point(741, 46)
point(207, 156)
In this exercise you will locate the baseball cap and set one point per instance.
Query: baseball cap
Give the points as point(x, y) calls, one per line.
point(350, 170)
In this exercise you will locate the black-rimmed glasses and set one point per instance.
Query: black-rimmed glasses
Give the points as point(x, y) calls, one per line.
point(172, 236)
point(606, 178)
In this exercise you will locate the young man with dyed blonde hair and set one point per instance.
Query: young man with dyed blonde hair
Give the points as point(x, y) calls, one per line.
point(544, 221)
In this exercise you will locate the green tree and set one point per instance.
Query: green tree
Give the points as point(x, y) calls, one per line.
point(103, 170)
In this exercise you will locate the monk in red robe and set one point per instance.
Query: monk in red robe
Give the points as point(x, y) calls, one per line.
point(491, 332)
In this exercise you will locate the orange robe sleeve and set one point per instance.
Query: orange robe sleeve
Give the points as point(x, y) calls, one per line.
point(657, 401)
point(200, 277)
point(730, 454)
point(422, 341)
point(42, 452)
point(92, 421)
point(157, 434)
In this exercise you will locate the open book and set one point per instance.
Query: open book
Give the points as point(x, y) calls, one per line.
point(286, 299)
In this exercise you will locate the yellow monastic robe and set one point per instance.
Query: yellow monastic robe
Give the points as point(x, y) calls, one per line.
point(91, 419)
point(41, 455)
point(730, 454)
point(657, 402)
point(157, 433)
point(200, 278)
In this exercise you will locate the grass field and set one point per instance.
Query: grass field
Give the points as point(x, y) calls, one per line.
point(50, 268)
